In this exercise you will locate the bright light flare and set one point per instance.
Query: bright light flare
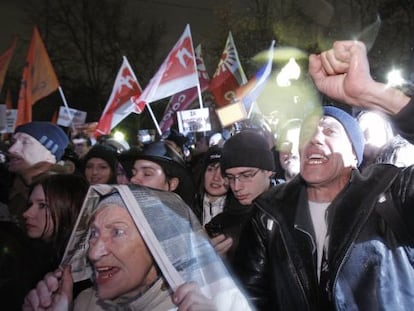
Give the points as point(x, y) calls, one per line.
point(291, 71)
point(395, 78)
point(119, 136)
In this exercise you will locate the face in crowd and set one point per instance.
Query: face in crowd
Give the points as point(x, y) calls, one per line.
point(214, 183)
point(326, 153)
point(150, 174)
point(123, 265)
point(97, 171)
point(53, 206)
point(38, 219)
point(247, 183)
point(27, 151)
point(289, 153)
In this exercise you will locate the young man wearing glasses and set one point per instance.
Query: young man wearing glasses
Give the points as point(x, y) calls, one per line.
point(248, 165)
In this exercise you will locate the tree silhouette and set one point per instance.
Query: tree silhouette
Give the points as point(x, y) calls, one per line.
point(86, 40)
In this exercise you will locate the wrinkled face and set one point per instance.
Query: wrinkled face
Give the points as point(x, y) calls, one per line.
point(122, 263)
point(214, 184)
point(149, 174)
point(247, 183)
point(25, 152)
point(97, 171)
point(37, 218)
point(326, 153)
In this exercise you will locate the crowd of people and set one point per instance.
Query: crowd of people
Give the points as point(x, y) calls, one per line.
point(309, 219)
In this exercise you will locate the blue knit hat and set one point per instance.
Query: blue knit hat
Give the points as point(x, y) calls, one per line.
point(51, 136)
point(352, 128)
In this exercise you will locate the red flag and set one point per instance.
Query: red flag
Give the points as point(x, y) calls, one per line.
point(181, 101)
point(229, 75)
point(120, 103)
point(5, 60)
point(177, 73)
point(39, 78)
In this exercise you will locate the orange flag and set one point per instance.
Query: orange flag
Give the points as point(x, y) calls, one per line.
point(39, 78)
point(5, 60)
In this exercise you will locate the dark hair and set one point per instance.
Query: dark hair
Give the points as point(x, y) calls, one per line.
point(105, 153)
point(64, 195)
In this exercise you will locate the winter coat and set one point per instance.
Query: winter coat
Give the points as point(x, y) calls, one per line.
point(371, 254)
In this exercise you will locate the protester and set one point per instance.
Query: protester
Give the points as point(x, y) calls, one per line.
point(100, 165)
point(53, 207)
point(36, 148)
point(211, 198)
point(333, 238)
point(125, 273)
point(159, 166)
point(70, 160)
point(81, 144)
point(51, 213)
point(288, 149)
point(248, 165)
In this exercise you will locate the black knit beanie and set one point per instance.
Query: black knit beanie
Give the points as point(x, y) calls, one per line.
point(105, 153)
point(247, 149)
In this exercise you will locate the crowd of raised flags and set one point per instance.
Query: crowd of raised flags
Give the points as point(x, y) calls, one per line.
point(182, 77)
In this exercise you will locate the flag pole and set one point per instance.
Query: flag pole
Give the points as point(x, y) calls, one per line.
point(200, 99)
point(67, 109)
point(154, 119)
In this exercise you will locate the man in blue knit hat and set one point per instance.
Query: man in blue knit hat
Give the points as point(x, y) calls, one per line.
point(36, 147)
point(334, 238)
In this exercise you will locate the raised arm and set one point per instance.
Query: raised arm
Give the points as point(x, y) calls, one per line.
point(343, 74)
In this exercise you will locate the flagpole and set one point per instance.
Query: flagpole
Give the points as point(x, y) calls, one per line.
point(67, 108)
point(200, 100)
point(154, 119)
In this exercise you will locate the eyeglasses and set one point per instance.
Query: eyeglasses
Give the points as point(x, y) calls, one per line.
point(243, 177)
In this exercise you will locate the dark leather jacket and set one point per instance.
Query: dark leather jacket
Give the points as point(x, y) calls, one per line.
point(371, 254)
point(371, 266)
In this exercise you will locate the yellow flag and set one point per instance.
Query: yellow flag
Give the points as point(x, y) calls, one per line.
point(39, 78)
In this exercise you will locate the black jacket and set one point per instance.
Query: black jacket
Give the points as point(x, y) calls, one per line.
point(371, 253)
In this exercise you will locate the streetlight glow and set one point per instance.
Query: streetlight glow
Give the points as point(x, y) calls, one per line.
point(119, 136)
point(291, 71)
point(395, 78)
